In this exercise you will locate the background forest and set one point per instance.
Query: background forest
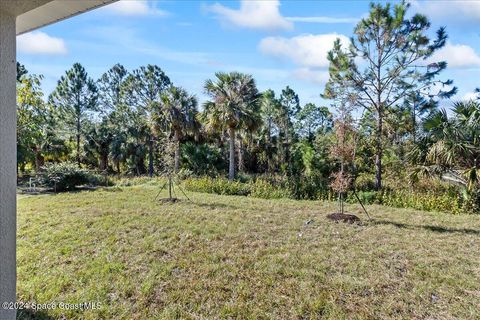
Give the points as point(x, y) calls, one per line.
point(404, 148)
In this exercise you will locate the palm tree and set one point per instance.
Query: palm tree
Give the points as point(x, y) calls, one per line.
point(98, 141)
point(234, 106)
point(179, 115)
point(451, 146)
point(245, 138)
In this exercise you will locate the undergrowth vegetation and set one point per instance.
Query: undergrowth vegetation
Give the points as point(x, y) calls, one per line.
point(427, 196)
point(66, 176)
point(438, 197)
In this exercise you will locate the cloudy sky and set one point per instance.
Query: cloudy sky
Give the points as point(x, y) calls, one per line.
point(279, 42)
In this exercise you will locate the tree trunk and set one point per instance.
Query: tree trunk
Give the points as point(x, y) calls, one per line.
point(140, 165)
point(287, 147)
point(177, 151)
point(39, 160)
point(281, 147)
point(269, 146)
point(78, 141)
point(341, 192)
point(241, 166)
point(231, 168)
point(103, 165)
point(117, 165)
point(379, 151)
point(150, 156)
point(414, 123)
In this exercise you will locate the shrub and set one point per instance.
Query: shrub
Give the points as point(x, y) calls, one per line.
point(137, 181)
point(66, 176)
point(217, 185)
point(307, 187)
point(264, 189)
point(444, 202)
point(185, 174)
point(365, 182)
point(203, 159)
point(367, 197)
point(274, 187)
point(471, 201)
point(260, 188)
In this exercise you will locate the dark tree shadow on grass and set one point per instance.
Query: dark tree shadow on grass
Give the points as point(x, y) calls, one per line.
point(438, 229)
point(51, 192)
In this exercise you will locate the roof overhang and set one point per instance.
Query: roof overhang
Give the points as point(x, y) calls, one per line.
point(47, 12)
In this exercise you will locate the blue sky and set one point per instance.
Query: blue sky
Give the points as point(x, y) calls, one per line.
point(279, 42)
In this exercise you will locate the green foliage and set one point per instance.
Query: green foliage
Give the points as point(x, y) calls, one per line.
point(75, 98)
point(234, 106)
point(259, 188)
point(262, 188)
point(471, 201)
point(365, 181)
point(387, 39)
point(312, 119)
point(217, 186)
point(315, 188)
point(138, 181)
point(421, 201)
point(202, 159)
point(21, 71)
point(132, 122)
point(35, 123)
point(66, 176)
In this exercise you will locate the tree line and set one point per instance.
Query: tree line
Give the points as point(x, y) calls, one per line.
point(385, 77)
point(119, 122)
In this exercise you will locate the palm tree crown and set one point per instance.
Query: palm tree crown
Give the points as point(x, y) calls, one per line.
point(233, 106)
point(179, 112)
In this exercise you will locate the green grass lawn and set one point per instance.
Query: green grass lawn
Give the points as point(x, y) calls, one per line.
point(241, 257)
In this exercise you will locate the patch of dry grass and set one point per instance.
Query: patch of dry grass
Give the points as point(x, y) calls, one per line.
point(240, 257)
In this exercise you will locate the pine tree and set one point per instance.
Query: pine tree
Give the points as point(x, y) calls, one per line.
point(76, 98)
point(385, 61)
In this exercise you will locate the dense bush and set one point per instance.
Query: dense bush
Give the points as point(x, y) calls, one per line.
point(263, 189)
point(259, 188)
point(365, 181)
point(203, 159)
point(137, 181)
point(274, 188)
point(217, 185)
point(66, 176)
point(471, 201)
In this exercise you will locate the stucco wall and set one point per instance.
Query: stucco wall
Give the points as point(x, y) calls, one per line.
point(8, 160)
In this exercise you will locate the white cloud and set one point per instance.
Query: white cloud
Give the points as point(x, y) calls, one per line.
point(470, 96)
point(457, 56)
point(253, 14)
point(320, 76)
point(135, 8)
point(38, 42)
point(451, 10)
point(307, 50)
point(323, 19)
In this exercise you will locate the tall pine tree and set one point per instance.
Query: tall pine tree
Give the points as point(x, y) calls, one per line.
point(386, 60)
point(76, 98)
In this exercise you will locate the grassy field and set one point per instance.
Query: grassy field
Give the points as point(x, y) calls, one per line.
point(243, 258)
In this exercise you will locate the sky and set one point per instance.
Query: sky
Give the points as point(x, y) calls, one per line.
point(279, 42)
